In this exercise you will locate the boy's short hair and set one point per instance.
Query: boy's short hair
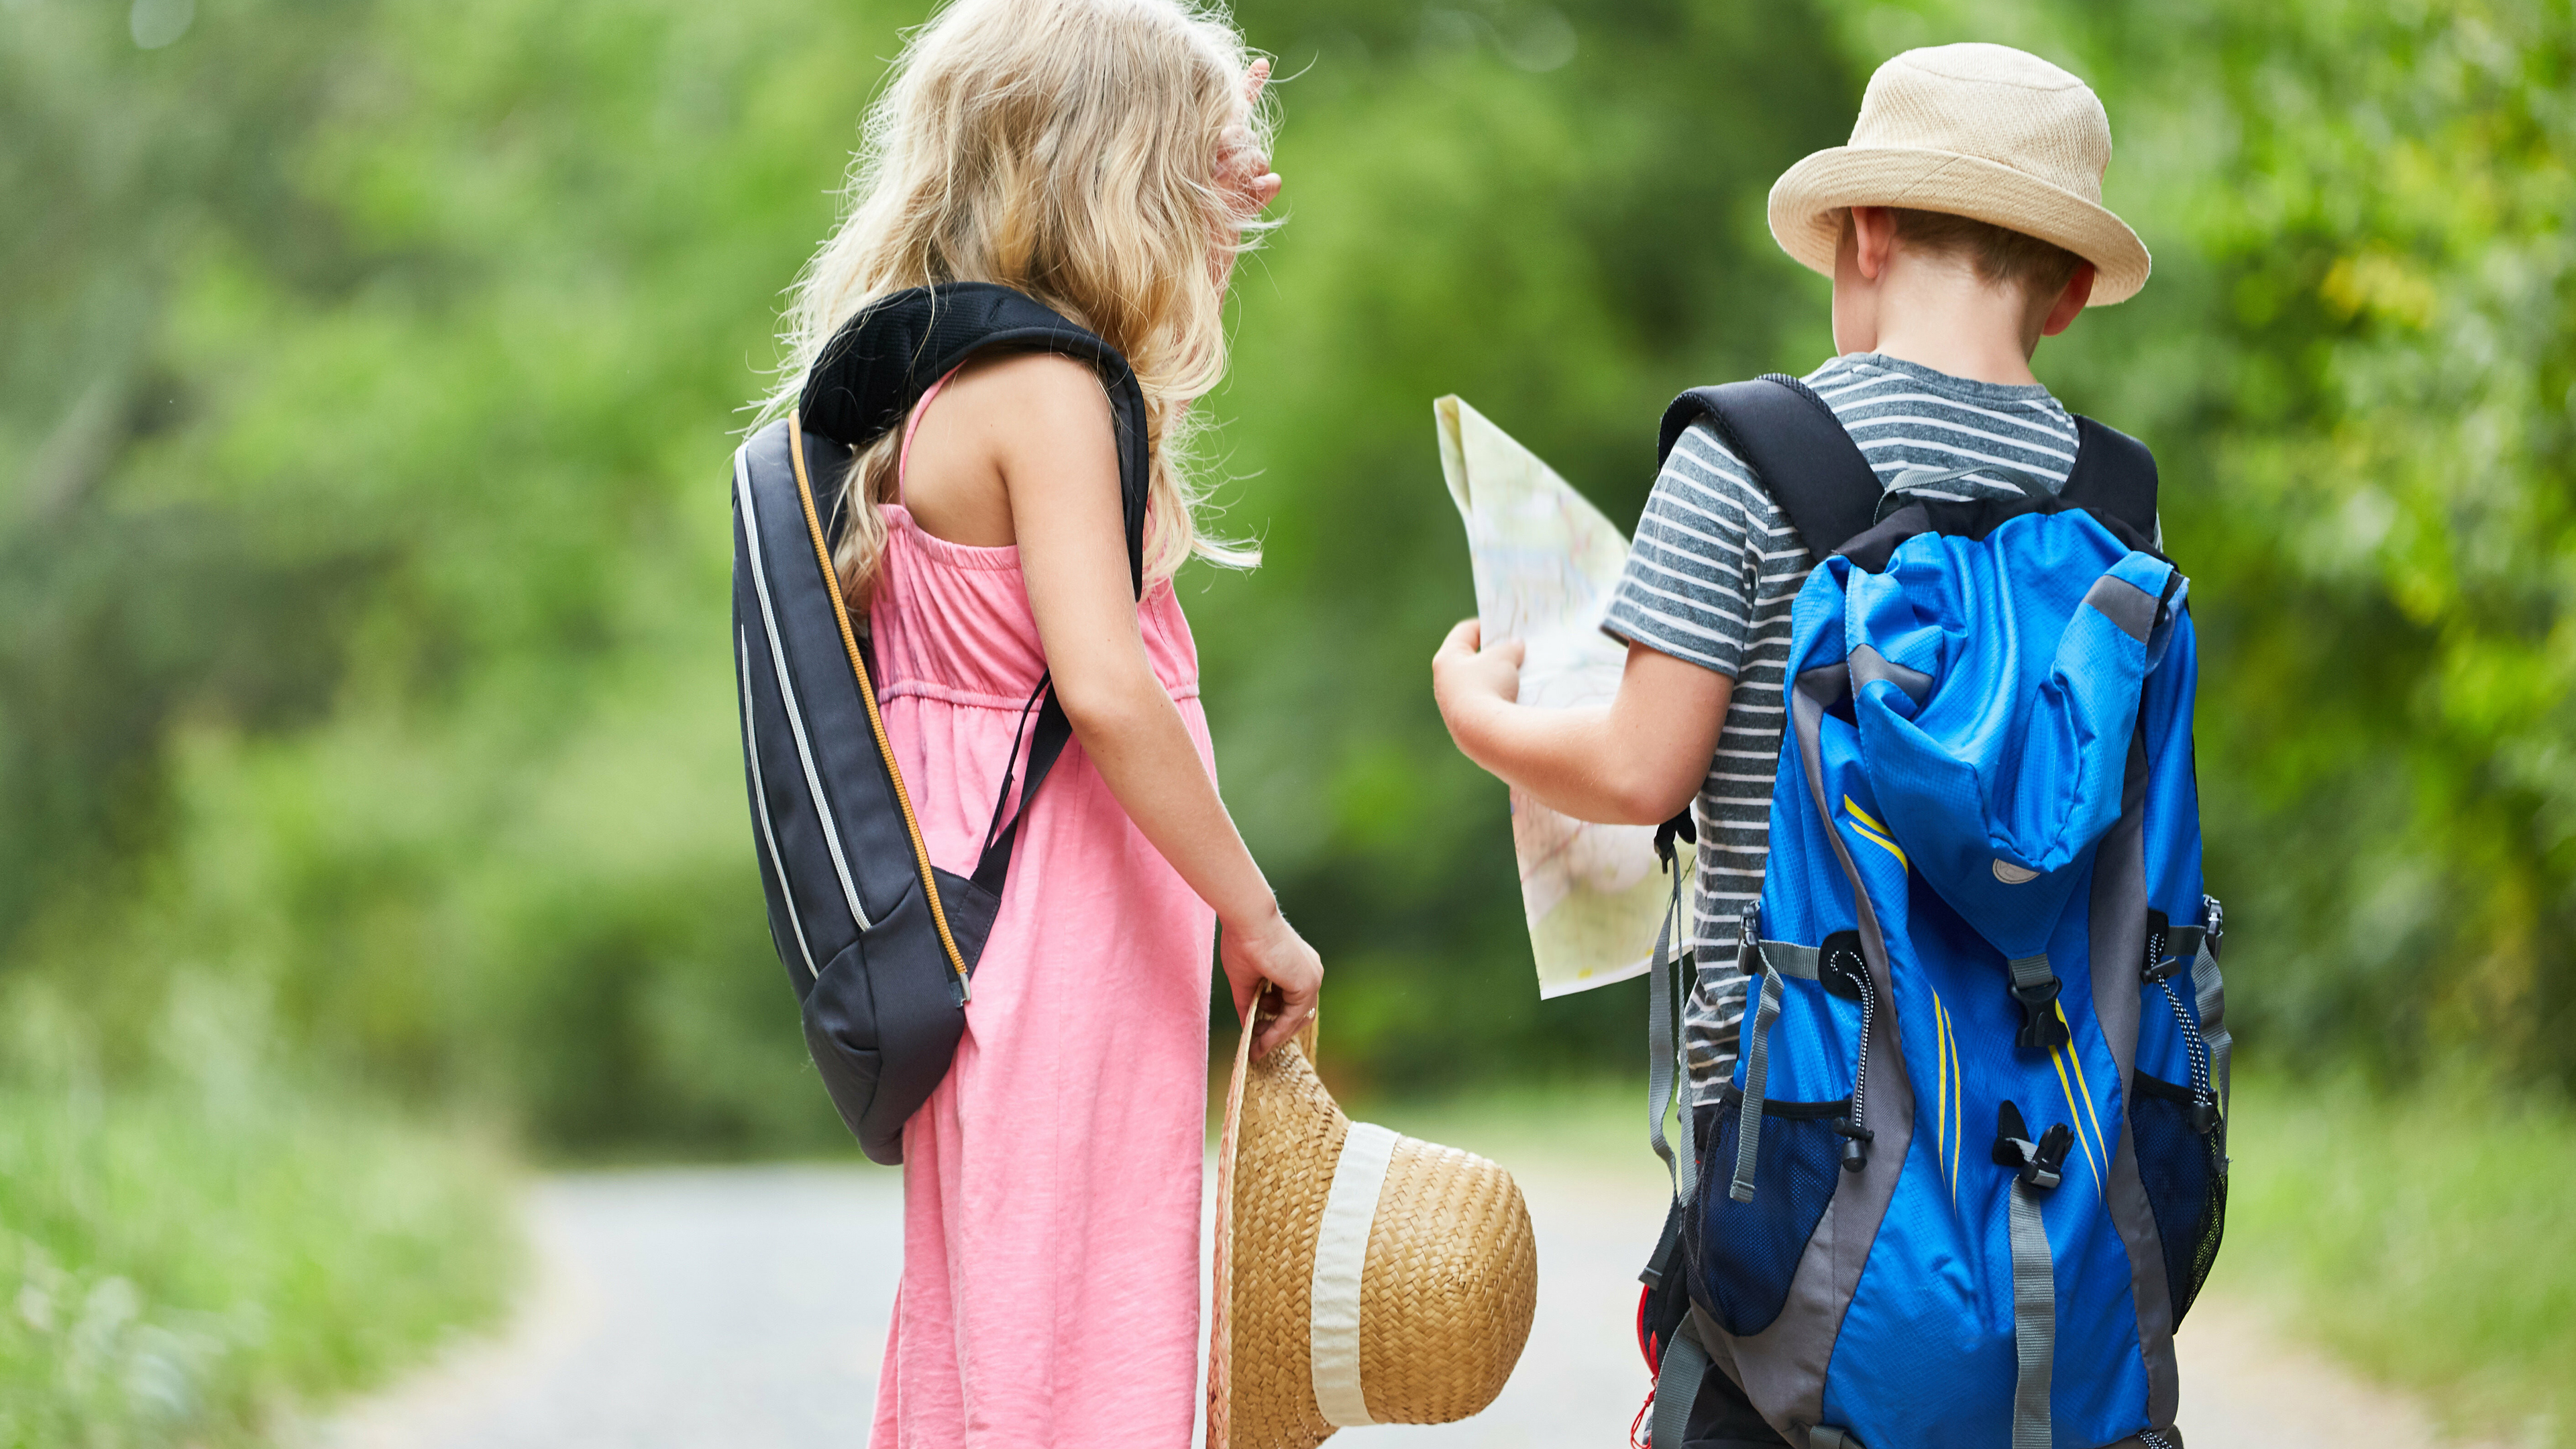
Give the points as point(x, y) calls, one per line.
point(2002, 257)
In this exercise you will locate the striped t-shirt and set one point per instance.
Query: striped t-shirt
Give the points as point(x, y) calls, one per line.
point(1711, 578)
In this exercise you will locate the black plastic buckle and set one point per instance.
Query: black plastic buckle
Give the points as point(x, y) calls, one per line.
point(2037, 1163)
point(2040, 1028)
point(2204, 1115)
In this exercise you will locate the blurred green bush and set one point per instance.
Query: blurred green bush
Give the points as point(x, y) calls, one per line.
point(188, 1262)
point(2418, 1235)
point(369, 370)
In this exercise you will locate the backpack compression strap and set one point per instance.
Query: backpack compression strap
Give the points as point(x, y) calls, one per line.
point(1794, 445)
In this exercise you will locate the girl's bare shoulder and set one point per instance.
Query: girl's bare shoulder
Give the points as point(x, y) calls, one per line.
point(1036, 411)
point(1032, 387)
point(1028, 416)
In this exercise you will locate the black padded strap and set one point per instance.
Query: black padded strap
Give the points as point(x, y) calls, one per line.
point(1795, 447)
point(2114, 474)
point(875, 370)
point(879, 364)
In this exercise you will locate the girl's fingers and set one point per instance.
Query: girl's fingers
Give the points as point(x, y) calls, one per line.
point(1255, 77)
point(1281, 1027)
point(1465, 637)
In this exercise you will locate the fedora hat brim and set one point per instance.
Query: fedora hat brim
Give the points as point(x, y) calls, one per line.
point(1808, 200)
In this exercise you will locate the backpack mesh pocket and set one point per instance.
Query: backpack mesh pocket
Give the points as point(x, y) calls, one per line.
point(2185, 1175)
point(1743, 1254)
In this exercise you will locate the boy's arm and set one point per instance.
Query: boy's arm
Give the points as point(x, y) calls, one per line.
point(1636, 761)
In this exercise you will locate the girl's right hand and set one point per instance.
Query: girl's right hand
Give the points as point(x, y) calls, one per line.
point(1243, 178)
point(1270, 951)
point(1242, 167)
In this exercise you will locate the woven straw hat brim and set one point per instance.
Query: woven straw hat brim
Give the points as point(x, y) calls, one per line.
point(1449, 1291)
point(1220, 1387)
point(1808, 199)
point(1279, 1125)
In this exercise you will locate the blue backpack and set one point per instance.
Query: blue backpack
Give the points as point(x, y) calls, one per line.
point(1972, 1166)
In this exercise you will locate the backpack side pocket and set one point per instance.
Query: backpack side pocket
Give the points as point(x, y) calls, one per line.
point(2177, 1099)
point(1743, 1254)
point(1781, 1137)
point(2184, 1171)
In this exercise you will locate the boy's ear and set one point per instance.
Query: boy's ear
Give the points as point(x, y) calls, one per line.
point(1873, 233)
point(2079, 291)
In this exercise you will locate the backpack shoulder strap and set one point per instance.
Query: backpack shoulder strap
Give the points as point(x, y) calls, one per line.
point(879, 364)
point(1795, 447)
point(867, 380)
point(2114, 474)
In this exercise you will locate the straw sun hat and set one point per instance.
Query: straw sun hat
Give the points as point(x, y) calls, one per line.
point(1982, 131)
point(1361, 1277)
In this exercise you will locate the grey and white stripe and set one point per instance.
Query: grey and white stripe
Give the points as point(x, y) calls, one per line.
point(1713, 574)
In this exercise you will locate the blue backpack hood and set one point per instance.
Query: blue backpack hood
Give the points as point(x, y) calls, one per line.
point(1996, 684)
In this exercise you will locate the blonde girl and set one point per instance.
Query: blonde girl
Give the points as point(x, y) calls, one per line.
point(1108, 158)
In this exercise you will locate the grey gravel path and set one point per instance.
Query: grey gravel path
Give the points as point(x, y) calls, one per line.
point(746, 1308)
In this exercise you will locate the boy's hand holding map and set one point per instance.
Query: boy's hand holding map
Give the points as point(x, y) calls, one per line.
point(1545, 562)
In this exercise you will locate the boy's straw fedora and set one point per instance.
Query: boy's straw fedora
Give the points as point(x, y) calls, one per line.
point(1982, 131)
point(1361, 1277)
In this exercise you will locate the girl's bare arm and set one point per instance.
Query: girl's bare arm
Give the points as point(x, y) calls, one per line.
point(1058, 461)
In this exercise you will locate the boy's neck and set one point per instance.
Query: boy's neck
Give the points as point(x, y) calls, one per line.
point(1937, 314)
point(1959, 356)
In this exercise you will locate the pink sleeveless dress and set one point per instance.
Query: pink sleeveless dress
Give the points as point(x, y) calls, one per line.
point(1051, 1184)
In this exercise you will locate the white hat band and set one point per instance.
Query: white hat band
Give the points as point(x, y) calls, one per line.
point(1341, 1253)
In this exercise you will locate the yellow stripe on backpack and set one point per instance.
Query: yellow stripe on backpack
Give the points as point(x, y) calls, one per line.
point(1875, 833)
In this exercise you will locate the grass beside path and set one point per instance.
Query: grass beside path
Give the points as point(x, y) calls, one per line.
point(178, 1265)
point(2420, 1237)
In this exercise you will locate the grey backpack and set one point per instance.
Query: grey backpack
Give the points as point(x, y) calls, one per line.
point(879, 944)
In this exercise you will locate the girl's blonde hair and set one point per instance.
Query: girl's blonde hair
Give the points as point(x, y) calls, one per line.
point(1067, 149)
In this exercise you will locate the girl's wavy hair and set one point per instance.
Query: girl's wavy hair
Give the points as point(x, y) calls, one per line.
point(1068, 149)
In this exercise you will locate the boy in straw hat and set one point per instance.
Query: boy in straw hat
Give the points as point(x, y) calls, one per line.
point(1962, 224)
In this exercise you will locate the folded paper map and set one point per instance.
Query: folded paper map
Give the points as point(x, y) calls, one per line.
point(1545, 562)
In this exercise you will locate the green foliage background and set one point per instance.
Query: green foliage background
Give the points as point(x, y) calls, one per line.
point(369, 369)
